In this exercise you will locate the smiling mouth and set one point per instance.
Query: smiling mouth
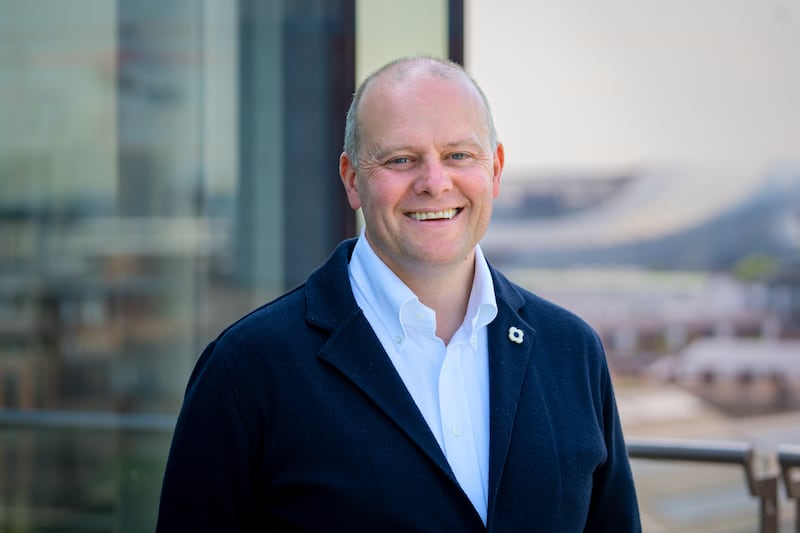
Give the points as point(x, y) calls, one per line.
point(446, 214)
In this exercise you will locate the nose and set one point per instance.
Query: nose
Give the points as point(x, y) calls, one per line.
point(433, 178)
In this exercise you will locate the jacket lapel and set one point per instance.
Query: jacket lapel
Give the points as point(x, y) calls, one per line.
point(508, 362)
point(355, 351)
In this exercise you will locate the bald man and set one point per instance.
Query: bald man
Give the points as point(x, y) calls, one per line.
point(407, 385)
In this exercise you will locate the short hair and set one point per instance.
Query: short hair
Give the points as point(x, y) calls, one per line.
point(401, 69)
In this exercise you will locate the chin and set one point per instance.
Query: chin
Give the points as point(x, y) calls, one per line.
point(439, 257)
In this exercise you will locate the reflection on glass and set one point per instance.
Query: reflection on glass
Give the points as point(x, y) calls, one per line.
point(115, 213)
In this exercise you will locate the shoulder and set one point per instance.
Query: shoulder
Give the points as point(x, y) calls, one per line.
point(245, 344)
point(292, 327)
point(285, 312)
point(563, 342)
point(539, 312)
point(321, 303)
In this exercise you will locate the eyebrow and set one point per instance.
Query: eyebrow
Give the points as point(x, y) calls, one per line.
point(382, 152)
point(472, 143)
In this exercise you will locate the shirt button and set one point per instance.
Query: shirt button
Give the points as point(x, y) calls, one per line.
point(398, 339)
point(456, 430)
point(420, 316)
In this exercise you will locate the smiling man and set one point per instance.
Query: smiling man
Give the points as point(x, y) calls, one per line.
point(406, 386)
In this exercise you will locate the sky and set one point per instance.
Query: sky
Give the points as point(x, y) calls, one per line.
point(587, 84)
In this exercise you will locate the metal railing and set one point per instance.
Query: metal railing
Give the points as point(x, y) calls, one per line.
point(52, 419)
point(762, 485)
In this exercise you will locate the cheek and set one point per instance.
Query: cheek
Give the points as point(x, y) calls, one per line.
point(381, 193)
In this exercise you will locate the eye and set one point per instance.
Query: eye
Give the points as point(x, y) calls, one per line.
point(459, 156)
point(399, 161)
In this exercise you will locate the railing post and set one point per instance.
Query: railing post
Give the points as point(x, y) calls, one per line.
point(789, 461)
point(766, 490)
point(763, 486)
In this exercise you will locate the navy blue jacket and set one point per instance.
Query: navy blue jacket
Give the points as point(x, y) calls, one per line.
point(295, 420)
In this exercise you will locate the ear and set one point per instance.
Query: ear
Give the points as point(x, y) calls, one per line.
point(497, 168)
point(347, 171)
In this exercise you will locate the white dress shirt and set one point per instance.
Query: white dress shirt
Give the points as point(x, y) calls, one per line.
point(449, 383)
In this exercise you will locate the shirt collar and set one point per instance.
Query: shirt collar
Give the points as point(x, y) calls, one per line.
point(380, 288)
point(389, 297)
point(482, 307)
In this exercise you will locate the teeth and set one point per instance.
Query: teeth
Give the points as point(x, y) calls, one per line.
point(432, 215)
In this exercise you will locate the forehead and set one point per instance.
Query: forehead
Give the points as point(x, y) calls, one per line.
point(421, 103)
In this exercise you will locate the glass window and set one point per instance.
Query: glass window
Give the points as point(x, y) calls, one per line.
point(118, 170)
point(158, 162)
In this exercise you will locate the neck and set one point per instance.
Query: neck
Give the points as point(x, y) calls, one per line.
point(447, 292)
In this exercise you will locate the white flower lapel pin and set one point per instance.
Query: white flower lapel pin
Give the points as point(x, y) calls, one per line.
point(515, 335)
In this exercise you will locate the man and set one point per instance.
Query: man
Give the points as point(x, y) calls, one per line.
point(406, 386)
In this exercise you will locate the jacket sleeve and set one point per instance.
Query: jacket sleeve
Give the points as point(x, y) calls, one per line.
point(207, 482)
point(614, 505)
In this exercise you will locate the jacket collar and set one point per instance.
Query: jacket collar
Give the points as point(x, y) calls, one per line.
point(330, 299)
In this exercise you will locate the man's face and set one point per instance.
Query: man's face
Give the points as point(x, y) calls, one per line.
point(427, 174)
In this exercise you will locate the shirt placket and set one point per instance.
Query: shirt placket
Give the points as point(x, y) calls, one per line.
point(457, 431)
